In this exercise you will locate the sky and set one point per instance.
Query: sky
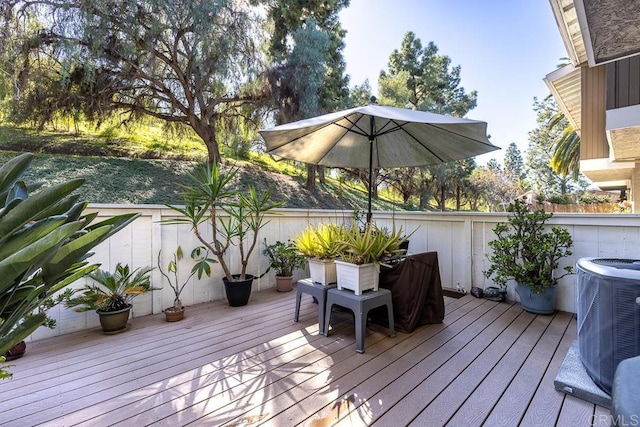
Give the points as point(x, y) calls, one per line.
point(504, 48)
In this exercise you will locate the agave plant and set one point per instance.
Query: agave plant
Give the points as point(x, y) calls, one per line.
point(320, 241)
point(371, 245)
point(45, 240)
point(112, 291)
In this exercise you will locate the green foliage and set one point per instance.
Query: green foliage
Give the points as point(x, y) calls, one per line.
point(202, 266)
point(513, 163)
point(285, 19)
point(45, 241)
point(560, 200)
point(492, 188)
point(283, 257)
point(371, 245)
point(234, 216)
point(112, 291)
point(421, 79)
point(193, 62)
point(525, 252)
point(544, 179)
point(566, 147)
point(590, 198)
point(320, 241)
point(430, 83)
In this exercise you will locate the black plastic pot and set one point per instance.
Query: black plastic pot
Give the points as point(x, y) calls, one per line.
point(238, 291)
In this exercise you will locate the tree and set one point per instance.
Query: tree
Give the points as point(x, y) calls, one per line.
point(513, 162)
point(286, 18)
point(544, 179)
point(450, 180)
point(404, 181)
point(193, 62)
point(492, 187)
point(429, 81)
point(566, 147)
point(421, 79)
point(359, 95)
point(493, 165)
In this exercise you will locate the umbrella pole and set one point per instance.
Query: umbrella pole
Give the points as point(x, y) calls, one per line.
point(371, 138)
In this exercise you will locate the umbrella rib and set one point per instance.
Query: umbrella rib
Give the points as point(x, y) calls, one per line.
point(394, 129)
point(462, 136)
point(351, 129)
point(440, 128)
point(399, 127)
point(346, 131)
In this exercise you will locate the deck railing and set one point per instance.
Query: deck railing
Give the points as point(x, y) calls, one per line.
point(460, 238)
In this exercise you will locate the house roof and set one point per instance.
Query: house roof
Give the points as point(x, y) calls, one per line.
point(565, 86)
point(610, 29)
point(597, 32)
point(594, 32)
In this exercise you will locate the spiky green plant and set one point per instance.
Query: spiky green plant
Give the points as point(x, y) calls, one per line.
point(371, 245)
point(112, 291)
point(233, 216)
point(319, 241)
point(45, 241)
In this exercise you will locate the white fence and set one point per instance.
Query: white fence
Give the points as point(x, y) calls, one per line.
point(459, 238)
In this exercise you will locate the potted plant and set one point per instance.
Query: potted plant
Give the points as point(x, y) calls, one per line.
point(234, 217)
point(319, 244)
point(112, 294)
point(361, 254)
point(175, 313)
point(284, 258)
point(525, 252)
point(43, 249)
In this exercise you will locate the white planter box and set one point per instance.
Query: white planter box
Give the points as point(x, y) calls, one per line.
point(357, 278)
point(322, 271)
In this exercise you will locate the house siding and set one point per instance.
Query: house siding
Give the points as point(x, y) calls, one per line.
point(623, 83)
point(593, 141)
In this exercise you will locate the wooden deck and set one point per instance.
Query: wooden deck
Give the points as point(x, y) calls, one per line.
point(487, 363)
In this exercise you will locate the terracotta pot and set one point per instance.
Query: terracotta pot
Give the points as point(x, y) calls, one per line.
point(16, 352)
point(284, 283)
point(238, 291)
point(173, 315)
point(114, 321)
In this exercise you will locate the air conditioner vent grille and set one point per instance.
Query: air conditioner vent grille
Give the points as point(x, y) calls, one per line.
point(608, 315)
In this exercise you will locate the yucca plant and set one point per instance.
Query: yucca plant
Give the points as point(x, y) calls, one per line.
point(45, 240)
point(112, 291)
point(233, 216)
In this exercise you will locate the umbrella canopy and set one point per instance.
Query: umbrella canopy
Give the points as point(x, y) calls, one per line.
point(376, 136)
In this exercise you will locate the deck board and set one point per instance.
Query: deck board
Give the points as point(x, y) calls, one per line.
point(453, 395)
point(515, 399)
point(487, 362)
point(546, 403)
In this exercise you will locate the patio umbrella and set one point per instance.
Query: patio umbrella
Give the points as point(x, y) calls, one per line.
point(376, 136)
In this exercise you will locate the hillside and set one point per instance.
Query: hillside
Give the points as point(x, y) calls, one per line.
point(120, 171)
